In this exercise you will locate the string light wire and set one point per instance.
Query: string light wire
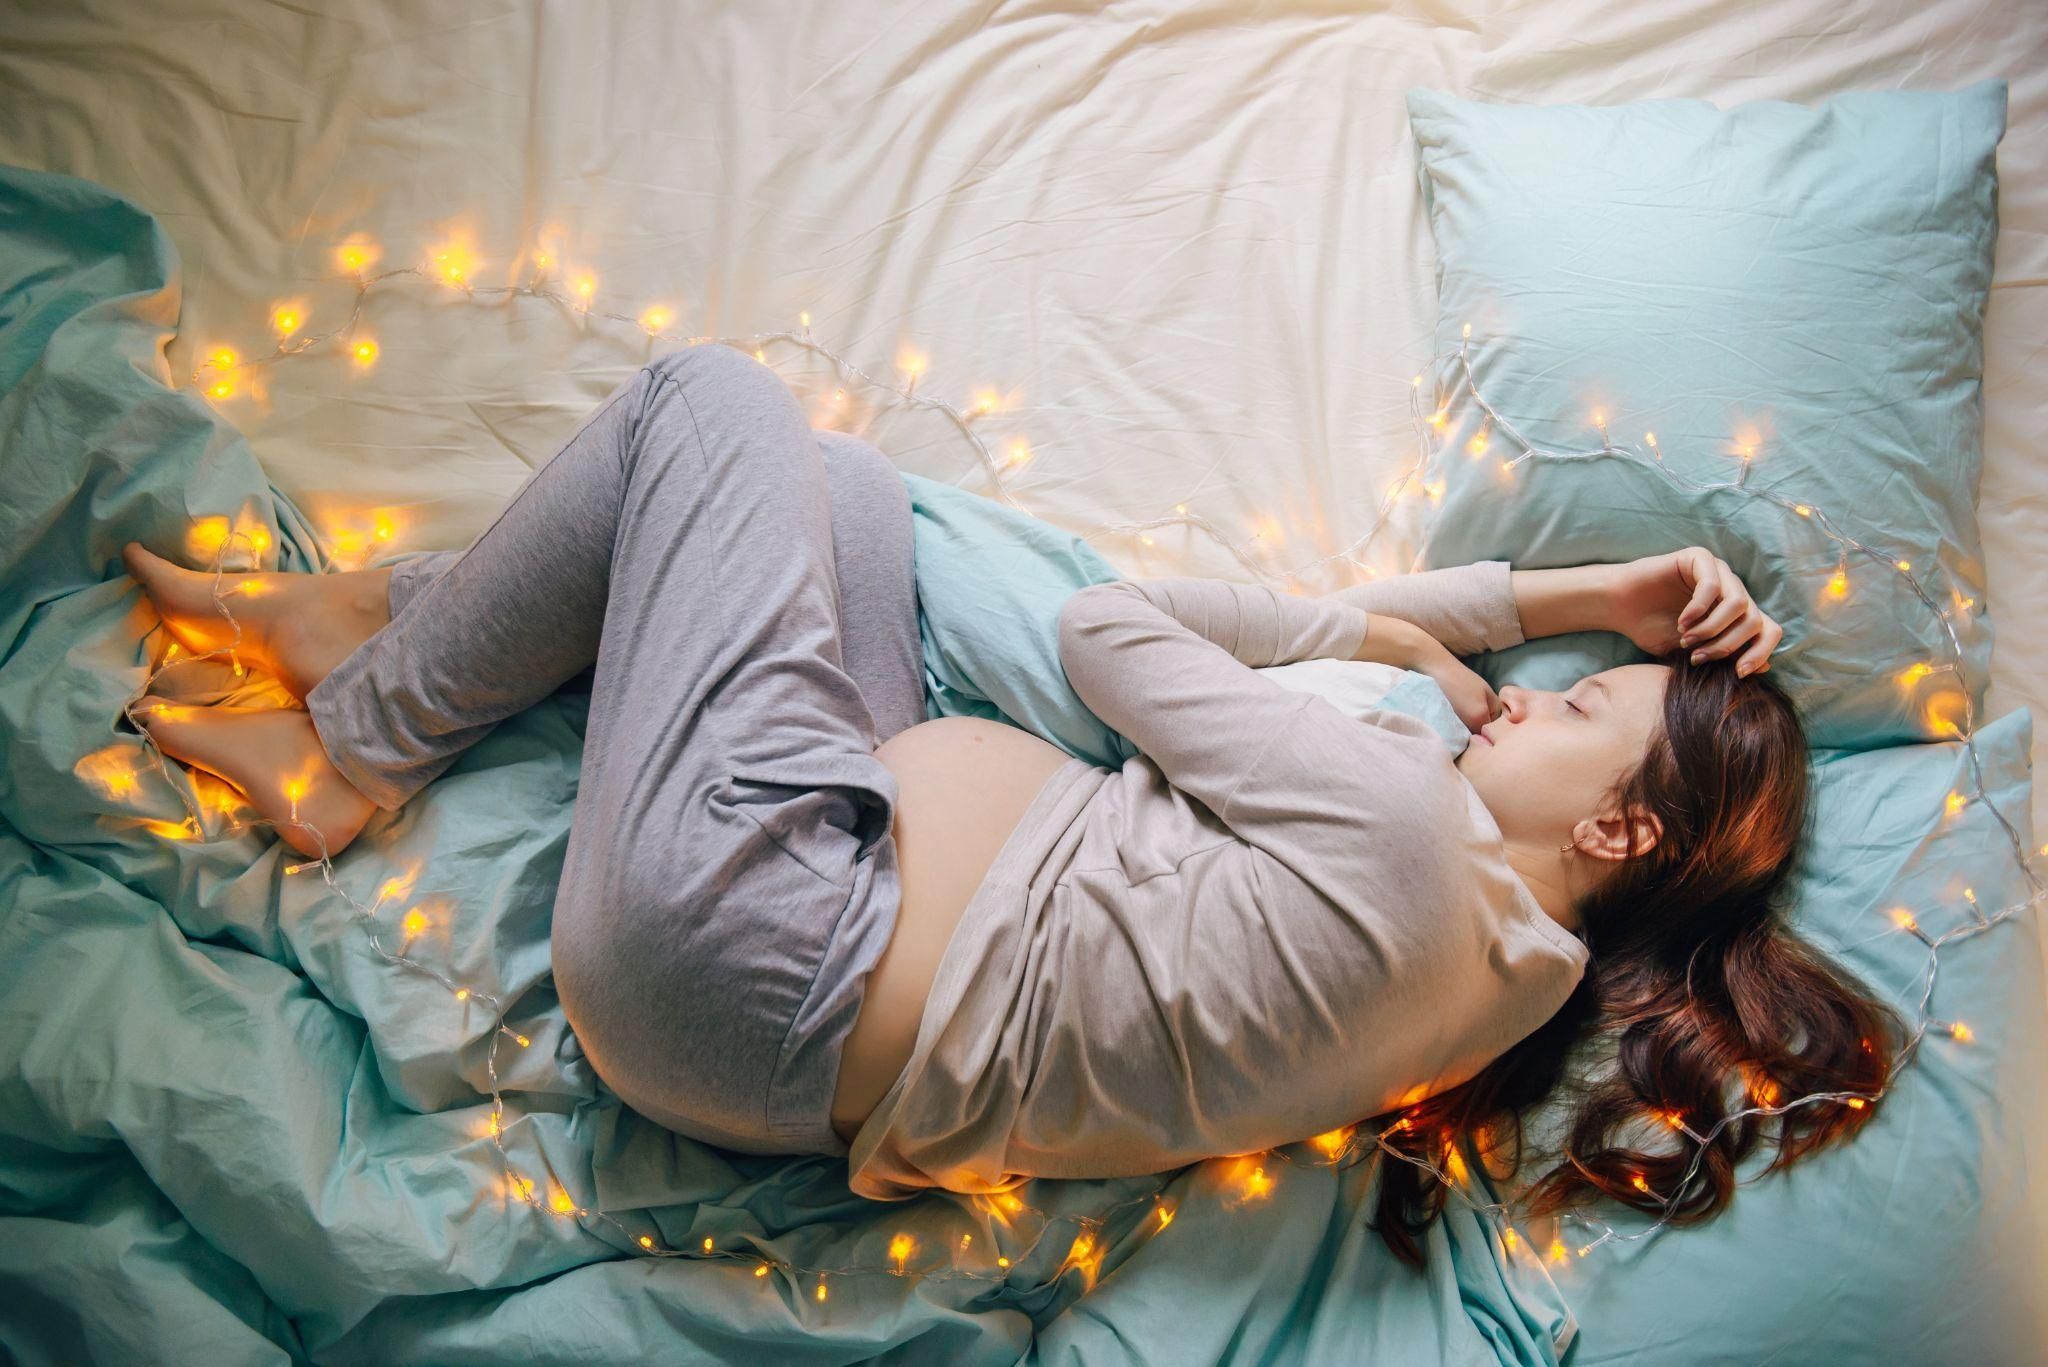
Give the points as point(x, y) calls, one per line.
point(1342, 1147)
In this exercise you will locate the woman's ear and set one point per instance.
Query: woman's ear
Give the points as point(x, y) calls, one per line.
point(1613, 836)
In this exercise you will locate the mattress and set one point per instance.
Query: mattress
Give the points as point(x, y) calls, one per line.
point(1176, 248)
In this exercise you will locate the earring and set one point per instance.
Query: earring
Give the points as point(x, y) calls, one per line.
point(1568, 848)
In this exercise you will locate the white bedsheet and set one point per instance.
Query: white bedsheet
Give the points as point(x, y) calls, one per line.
point(1184, 242)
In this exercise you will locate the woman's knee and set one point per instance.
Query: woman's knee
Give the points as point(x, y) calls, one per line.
point(714, 363)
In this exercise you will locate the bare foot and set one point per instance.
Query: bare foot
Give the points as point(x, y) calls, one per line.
point(297, 626)
point(275, 757)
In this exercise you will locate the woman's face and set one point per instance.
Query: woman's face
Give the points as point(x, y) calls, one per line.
point(1549, 760)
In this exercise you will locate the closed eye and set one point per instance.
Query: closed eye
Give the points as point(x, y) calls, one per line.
point(1575, 707)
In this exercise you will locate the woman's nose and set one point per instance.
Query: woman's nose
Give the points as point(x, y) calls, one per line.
point(1513, 701)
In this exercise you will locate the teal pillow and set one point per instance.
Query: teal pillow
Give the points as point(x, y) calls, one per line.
point(1807, 282)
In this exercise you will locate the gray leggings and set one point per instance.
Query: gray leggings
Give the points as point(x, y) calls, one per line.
point(737, 589)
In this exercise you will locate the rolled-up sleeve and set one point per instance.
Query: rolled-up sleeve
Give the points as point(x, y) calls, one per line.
point(1469, 608)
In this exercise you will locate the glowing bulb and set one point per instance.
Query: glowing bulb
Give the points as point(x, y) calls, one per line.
point(1960, 1031)
point(356, 255)
point(1838, 584)
point(453, 263)
point(656, 318)
point(286, 320)
point(1748, 451)
point(1146, 539)
point(1507, 467)
point(646, 1242)
point(758, 355)
point(1905, 565)
point(1181, 508)
point(365, 353)
point(586, 285)
point(223, 358)
point(542, 259)
point(1439, 418)
point(899, 1250)
point(1002, 1262)
point(1802, 510)
point(295, 789)
point(1468, 330)
point(1955, 802)
point(1855, 1103)
point(415, 922)
point(462, 994)
point(707, 1243)
point(1020, 451)
point(761, 1271)
point(1650, 437)
point(1970, 896)
point(1636, 1180)
point(524, 1042)
point(1477, 446)
point(221, 389)
point(804, 317)
point(821, 1291)
point(260, 539)
point(1905, 919)
point(1915, 674)
point(562, 1201)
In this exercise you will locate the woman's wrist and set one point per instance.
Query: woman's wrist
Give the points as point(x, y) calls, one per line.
point(1574, 598)
point(1396, 641)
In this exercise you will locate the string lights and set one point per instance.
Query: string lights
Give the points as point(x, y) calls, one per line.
point(1240, 1178)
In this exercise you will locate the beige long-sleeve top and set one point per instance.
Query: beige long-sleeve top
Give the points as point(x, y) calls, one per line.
point(1274, 921)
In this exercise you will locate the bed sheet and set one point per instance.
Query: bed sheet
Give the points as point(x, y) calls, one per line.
point(1178, 245)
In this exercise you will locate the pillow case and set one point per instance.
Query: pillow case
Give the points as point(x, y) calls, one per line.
point(1808, 284)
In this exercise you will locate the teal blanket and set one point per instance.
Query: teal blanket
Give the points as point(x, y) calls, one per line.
point(231, 1132)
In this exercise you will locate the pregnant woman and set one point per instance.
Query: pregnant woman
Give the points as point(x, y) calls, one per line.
point(794, 917)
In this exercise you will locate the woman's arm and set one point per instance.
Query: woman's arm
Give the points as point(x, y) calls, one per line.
point(1578, 598)
point(1488, 605)
point(1468, 608)
point(1173, 665)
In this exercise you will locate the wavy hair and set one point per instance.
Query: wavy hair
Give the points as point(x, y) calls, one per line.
point(1696, 981)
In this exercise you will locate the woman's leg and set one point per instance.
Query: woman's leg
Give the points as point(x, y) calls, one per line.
point(873, 558)
point(500, 626)
point(873, 561)
point(730, 877)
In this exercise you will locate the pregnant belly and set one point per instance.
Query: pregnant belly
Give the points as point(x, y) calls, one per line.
point(962, 785)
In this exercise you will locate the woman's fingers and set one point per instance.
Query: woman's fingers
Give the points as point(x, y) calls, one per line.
point(1733, 603)
point(1758, 656)
point(1721, 617)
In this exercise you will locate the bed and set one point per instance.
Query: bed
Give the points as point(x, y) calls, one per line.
point(1177, 255)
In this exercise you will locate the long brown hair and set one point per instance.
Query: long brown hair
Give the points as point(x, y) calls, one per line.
point(1694, 978)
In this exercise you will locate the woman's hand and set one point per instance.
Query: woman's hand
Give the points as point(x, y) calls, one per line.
point(1691, 599)
point(1472, 697)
